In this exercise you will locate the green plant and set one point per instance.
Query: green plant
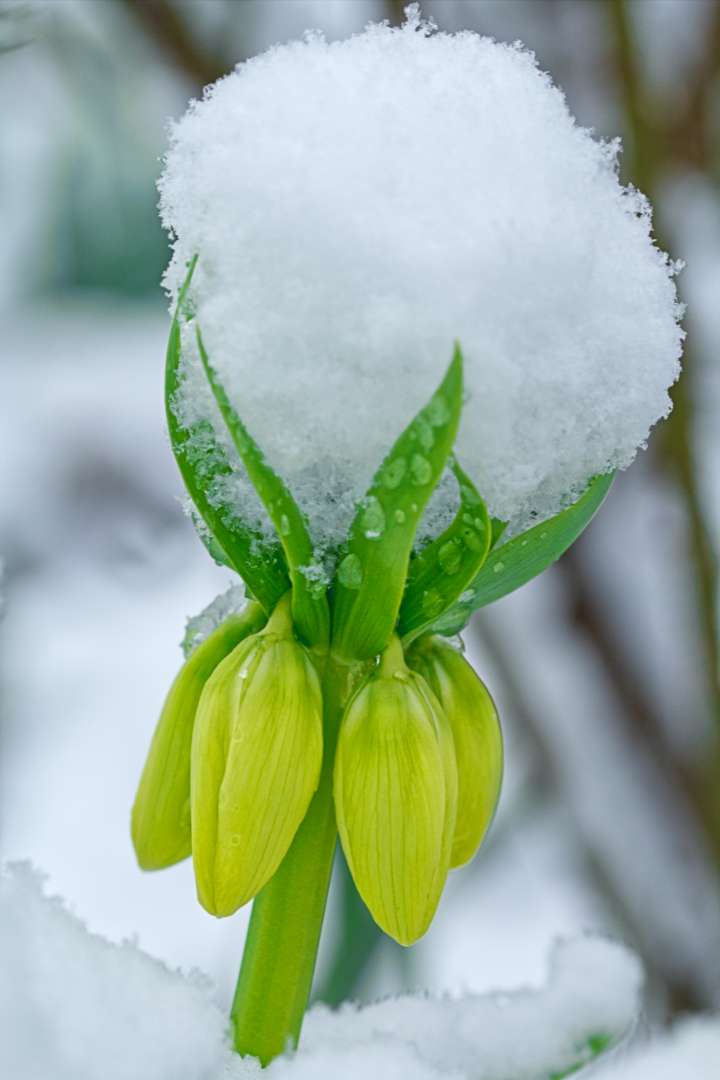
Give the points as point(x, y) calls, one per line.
point(334, 647)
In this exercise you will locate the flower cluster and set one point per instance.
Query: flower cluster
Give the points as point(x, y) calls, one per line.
point(238, 751)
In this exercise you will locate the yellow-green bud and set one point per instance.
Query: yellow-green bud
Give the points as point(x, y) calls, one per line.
point(478, 739)
point(256, 757)
point(160, 823)
point(395, 787)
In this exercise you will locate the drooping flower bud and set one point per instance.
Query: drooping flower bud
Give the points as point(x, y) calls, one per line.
point(476, 731)
point(395, 787)
point(256, 757)
point(160, 823)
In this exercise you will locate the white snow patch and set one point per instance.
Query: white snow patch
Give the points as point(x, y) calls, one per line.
point(356, 207)
point(73, 1006)
point(199, 627)
point(690, 1052)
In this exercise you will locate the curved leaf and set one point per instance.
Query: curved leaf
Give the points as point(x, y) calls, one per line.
point(310, 609)
point(203, 465)
point(370, 578)
point(444, 569)
point(511, 565)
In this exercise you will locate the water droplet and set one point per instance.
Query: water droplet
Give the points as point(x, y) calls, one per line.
point(450, 557)
point(393, 473)
point(401, 676)
point(420, 469)
point(424, 432)
point(235, 839)
point(543, 536)
point(437, 411)
point(373, 519)
point(399, 516)
point(284, 525)
point(469, 497)
point(479, 525)
point(432, 603)
point(414, 507)
point(467, 518)
point(467, 596)
point(470, 539)
point(498, 567)
point(350, 572)
point(524, 543)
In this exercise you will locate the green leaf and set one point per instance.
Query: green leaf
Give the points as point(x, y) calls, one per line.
point(498, 528)
point(204, 465)
point(370, 578)
point(591, 1049)
point(444, 569)
point(310, 610)
point(511, 565)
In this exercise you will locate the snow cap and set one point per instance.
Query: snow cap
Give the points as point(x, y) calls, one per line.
point(358, 206)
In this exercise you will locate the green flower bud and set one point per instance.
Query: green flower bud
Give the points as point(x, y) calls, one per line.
point(395, 787)
point(256, 757)
point(478, 739)
point(160, 823)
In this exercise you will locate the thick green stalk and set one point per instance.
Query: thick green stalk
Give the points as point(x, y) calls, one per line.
point(279, 958)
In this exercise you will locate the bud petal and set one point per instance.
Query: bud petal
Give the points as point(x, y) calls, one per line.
point(446, 743)
point(256, 757)
point(160, 823)
point(391, 796)
point(478, 739)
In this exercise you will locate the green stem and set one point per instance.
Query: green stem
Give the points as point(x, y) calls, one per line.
point(279, 958)
point(358, 942)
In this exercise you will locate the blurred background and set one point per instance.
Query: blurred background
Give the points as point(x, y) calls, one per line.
point(605, 670)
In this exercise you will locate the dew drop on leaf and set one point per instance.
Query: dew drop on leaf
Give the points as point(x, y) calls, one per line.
point(424, 432)
point(432, 602)
point(393, 473)
point(470, 497)
point(471, 539)
point(373, 519)
point(437, 411)
point(350, 572)
point(450, 557)
point(420, 469)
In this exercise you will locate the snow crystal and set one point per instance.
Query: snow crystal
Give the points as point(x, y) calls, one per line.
point(232, 601)
point(75, 1007)
point(358, 206)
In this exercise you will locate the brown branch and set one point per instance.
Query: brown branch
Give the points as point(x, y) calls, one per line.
point(689, 136)
point(162, 22)
point(673, 441)
point(396, 11)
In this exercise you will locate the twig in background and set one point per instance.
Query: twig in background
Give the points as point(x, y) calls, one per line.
point(165, 26)
point(660, 143)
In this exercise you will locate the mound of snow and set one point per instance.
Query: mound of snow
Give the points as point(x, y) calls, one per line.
point(75, 1007)
point(357, 207)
